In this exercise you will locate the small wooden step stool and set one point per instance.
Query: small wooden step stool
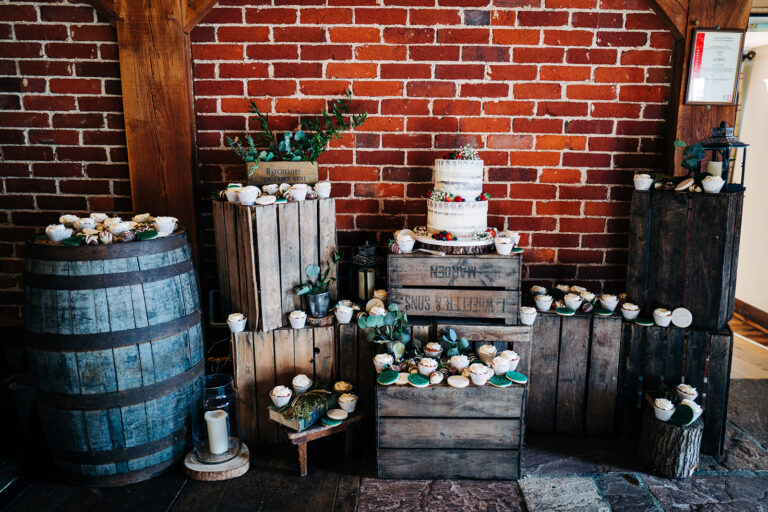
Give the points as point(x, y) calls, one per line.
point(300, 439)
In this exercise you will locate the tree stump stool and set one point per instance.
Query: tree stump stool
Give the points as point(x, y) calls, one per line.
point(300, 439)
point(668, 449)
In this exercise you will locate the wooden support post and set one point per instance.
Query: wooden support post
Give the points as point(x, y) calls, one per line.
point(156, 78)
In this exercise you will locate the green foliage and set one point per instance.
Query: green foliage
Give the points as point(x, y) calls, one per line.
point(317, 283)
point(692, 155)
point(302, 406)
point(664, 391)
point(300, 145)
point(455, 344)
point(389, 328)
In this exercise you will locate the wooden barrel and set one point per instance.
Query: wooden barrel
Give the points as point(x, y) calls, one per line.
point(115, 344)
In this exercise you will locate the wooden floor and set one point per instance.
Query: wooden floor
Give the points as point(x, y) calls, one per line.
point(750, 351)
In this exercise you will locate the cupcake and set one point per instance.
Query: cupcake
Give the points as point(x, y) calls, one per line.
point(500, 365)
point(165, 225)
point(85, 223)
point(662, 317)
point(697, 410)
point(587, 296)
point(323, 189)
point(486, 353)
point(642, 181)
point(381, 295)
point(298, 191)
point(686, 392)
point(236, 322)
point(270, 189)
point(58, 232)
point(248, 195)
point(563, 288)
point(527, 315)
point(405, 243)
point(663, 409)
point(118, 228)
point(343, 313)
point(301, 383)
point(433, 349)
point(543, 302)
point(427, 365)
point(342, 387)
point(504, 245)
point(609, 301)
point(459, 362)
point(538, 290)
point(297, 318)
point(377, 311)
point(630, 311)
point(578, 290)
point(572, 301)
point(68, 220)
point(280, 396)
point(348, 402)
point(232, 192)
point(111, 222)
point(381, 361)
point(479, 374)
point(514, 359)
point(142, 218)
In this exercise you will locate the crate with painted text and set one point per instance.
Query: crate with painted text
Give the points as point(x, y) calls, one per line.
point(478, 286)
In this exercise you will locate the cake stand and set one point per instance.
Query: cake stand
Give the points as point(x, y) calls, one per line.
point(468, 246)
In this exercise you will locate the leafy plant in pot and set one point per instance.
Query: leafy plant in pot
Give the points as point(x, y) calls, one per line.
point(389, 329)
point(317, 287)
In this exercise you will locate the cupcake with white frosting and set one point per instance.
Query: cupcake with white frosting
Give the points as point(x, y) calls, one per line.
point(301, 383)
point(486, 353)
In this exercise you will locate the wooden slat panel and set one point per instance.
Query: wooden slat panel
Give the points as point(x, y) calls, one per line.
point(232, 237)
point(308, 235)
point(268, 248)
point(244, 249)
point(248, 283)
point(632, 372)
point(444, 433)
point(716, 409)
point(222, 265)
point(348, 357)
point(696, 360)
point(653, 357)
point(485, 332)
point(445, 401)
point(638, 243)
point(483, 271)
point(327, 240)
point(290, 259)
point(304, 354)
point(673, 360)
point(366, 375)
point(603, 375)
point(572, 374)
point(456, 303)
point(264, 359)
point(482, 464)
point(669, 219)
point(324, 354)
point(545, 353)
point(245, 383)
point(285, 365)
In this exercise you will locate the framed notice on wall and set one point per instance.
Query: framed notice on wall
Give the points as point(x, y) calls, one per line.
point(713, 72)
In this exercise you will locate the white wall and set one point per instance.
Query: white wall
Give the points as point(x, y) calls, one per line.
point(752, 280)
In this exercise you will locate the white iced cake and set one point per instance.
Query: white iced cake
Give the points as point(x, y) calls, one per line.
point(457, 205)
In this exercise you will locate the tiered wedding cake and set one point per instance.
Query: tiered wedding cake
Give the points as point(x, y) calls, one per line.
point(457, 207)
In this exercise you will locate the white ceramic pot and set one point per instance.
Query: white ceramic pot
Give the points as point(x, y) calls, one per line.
point(297, 319)
point(504, 248)
point(248, 195)
point(406, 244)
point(165, 225)
point(662, 317)
point(642, 181)
point(629, 314)
point(343, 314)
point(609, 302)
point(712, 184)
point(57, 232)
point(298, 192)
point(323, 189)
point(662, 413)
point(543, 302)
point(282, 400)
point(348, 405)
point(236, 322)
point(573, 301)
point(527, 315)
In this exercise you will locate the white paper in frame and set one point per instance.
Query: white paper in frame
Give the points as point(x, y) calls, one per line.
point(713, 69)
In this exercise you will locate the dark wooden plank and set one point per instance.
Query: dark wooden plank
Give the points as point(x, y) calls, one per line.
point(232, 237)
point(633, 344)
point(445, 401)
point(480, 271)
point(442, 433)
point(324, 354)
point(264, 365)
point(653, 357)
point(304, 350)
point(285, 362)
point(572, 375)
point(696, 358)
point(247, 269)
point(200, 496)
point(716, 409)
point(456, 303)
point(268, 252)
point(366, 377)
point(545, 353)
point(290, 259)
point(673, 360)
point(734, 256)
point(308, 236)
point(429, 464)
point(603, 375)
point(667, 242)
point(327, 245)
point(638, 247)
point(485, 331)
point(348, 356)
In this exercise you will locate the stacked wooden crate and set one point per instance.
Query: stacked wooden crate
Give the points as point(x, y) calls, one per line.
point(263, 252)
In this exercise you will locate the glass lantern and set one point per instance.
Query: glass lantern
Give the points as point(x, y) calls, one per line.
point(215, 431)
point(365, 264)
point(720, 144)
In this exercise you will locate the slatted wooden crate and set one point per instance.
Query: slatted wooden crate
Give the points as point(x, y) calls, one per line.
point(445, 432)
point(471, 286)
point(655, 355)
point(263, 360)
point(574, 373)
point(503, 337)
point(262, 252)
point(683, 251)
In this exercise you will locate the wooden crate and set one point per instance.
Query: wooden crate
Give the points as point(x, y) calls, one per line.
point(574, 373)
point(477, 286)
point(503, 337)
point(262, 252)
point(655, 355)
point(683, 251)
point(445, 432)
point(263, 360)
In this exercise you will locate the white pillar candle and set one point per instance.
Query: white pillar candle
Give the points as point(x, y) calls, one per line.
point(715, 168)
point(218, 435)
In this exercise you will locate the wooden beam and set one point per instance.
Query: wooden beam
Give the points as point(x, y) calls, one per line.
point(156, 78)
point(674, 14)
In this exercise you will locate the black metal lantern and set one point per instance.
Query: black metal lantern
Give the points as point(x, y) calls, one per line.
point(365, 267)
point(722, 142)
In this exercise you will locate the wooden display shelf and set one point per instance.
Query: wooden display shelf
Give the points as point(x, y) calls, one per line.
point(445, 432)
point(263, 251)
point(655, 355)
point(574, 373)
point(683, 251)
point(470, 286)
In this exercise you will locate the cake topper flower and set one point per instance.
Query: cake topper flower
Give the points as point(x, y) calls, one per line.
point(466, 152)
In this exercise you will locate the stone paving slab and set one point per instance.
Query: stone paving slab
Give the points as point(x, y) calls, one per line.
point(734, 492)
point(553, 454)
point(563, 494)
point(741, 452)
point(626, 493)
point(438, 495)
point(748, 409)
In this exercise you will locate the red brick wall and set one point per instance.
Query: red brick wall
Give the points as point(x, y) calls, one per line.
point(563, 100)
